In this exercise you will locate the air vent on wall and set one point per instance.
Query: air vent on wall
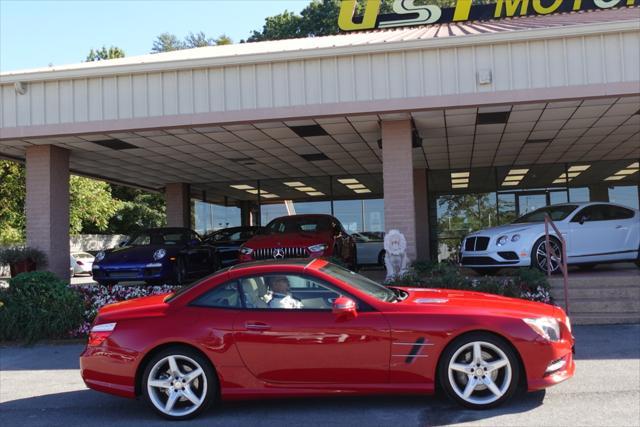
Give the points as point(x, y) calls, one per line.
point(246, 161)
point(492, 118)
point(311, 130)
point(114, 144)
point(317, 157)
point(538, 141)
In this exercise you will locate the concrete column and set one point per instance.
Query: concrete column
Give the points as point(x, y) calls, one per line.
point(420, 194)
point(397, 174)
point(599, 193)
point(47, 205)
point(177, 197)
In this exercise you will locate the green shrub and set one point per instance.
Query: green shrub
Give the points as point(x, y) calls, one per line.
point(36, 306)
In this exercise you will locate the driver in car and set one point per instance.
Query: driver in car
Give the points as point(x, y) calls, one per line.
point(281, 296)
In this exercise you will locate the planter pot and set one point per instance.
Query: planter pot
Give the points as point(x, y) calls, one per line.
point(23, 266)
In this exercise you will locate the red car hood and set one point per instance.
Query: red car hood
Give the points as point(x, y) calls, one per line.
point(285, 240)
point(468, 302)
point(138, 307)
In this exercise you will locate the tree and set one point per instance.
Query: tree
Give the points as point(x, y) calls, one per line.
point(90, 204)
point(12, 194)
point(104, 53)
point(139, 210)
point(167, 42)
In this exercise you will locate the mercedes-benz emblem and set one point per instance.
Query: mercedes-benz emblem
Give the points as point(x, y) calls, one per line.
point(278, 253)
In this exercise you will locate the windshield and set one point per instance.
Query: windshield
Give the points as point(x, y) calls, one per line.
point(159, 237)
point(557, 213)
point(299, 224)
point(359, 282)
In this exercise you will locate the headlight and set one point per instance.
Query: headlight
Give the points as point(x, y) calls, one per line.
point(502, 240)
point(317, 248)
point(246, 251)
point(547, 327)
point(99, 256)
point(159, 254)
point(515, 237)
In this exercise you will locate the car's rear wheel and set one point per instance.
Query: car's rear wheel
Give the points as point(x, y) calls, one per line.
point(479, 371)
point(381, 256)
point(539, 255)
point(179, 383)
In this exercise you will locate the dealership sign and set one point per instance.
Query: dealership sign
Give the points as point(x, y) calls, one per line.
point(406, 12)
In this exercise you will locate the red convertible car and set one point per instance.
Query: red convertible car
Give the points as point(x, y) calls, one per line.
point(311, 328)
point(302, 236)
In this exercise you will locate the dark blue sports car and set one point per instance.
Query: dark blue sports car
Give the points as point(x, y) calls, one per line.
point(156, 256)
point(228, 241)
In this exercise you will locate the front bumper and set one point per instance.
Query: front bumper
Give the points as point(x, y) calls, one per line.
point(132, 271)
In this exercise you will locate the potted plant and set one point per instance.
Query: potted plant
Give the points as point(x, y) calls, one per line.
point(23, 259)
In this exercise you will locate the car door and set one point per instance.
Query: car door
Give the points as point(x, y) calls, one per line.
point(199, 255)
point(309, 345)
point(593, 233)
point(626, 225)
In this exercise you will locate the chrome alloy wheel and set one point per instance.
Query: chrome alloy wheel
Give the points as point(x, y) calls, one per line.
point(479, 373)
point(177, 385)
point(555, 252)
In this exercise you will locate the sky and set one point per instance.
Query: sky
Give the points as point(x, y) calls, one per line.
point(37, 33)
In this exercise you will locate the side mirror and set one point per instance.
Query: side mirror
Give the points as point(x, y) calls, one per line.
point(582, 219)
point(344, 308)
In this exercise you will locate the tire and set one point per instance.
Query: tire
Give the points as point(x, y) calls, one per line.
point(106, 282)
point(491, 271)
point(495, 375)
point(381, 256)
point(158, 383)
point(180, 271)
point(538, 255)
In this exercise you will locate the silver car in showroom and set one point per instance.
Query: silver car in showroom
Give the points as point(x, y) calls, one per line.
point(594, 232)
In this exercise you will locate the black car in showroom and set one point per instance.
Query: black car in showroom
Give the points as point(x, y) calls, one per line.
point(228, 241)
point(157, 256)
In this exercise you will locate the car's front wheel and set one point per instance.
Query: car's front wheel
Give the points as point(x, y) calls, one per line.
point(179, 383)
point(539, 255)
point(479, 371)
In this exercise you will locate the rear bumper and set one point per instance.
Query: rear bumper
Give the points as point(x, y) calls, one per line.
point(109, 370)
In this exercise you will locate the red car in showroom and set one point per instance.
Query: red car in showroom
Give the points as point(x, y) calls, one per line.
point(311, 328)
point(302, 236)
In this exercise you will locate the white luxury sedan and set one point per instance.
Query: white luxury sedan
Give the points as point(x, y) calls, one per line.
point(594, 233)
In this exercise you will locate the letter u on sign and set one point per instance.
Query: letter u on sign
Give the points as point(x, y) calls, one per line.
point(347, 11)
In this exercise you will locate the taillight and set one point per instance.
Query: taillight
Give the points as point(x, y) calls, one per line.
point(99, 333)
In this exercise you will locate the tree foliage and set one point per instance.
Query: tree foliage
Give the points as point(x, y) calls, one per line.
point(90, 204)
point(167, 42)
point(139, 210)
point(12, 195)
point(104, 54)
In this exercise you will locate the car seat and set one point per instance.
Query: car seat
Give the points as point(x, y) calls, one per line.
point(254, 292)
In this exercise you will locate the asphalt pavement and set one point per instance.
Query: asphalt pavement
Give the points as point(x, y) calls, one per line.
point(41, 386)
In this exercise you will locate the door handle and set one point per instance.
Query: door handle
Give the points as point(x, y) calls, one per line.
point(257, 326)
point(618, 227)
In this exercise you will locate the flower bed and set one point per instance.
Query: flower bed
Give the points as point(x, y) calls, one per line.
point(96, 296)
point(527, 283)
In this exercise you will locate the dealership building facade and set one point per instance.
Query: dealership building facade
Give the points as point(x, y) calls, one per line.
point(433, 130)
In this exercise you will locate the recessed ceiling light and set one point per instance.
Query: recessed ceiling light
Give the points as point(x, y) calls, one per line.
point(294, 184)
point(510, 183)
point(459, 174)
point(626, 172)
point(354, 186)
point(615, 178)
point(252, 191)
point(346, 181)
point(315, 193)
point(518, 172)
point(560, 181)
point(460, 181)
point(635, 165)
point(579, 168)
point(241, 187)
point(305, 189)
point(459, 185)
point(514, 177)
point(269, 195)
point(362, 191)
